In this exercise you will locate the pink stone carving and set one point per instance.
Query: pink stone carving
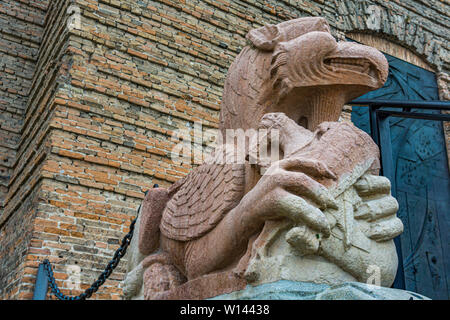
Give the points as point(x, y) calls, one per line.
point(201, 236)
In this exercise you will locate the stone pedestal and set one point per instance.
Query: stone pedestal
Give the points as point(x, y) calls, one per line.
point(294, 290)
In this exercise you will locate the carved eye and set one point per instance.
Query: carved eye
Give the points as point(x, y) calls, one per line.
point(279, 59)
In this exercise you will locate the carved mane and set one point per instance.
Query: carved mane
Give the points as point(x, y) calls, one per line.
point(249, 88)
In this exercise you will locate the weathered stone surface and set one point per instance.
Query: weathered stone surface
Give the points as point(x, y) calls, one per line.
point(99, 105)
point(229, 223)
point(291, 290)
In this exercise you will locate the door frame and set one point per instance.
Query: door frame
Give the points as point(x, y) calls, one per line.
point(381, 134)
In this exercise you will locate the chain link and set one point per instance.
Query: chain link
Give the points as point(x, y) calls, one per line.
point(120, 252)
point(105, 274)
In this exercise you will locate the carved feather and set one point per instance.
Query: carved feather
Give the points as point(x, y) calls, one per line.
point(243, 88)
point(202, 199)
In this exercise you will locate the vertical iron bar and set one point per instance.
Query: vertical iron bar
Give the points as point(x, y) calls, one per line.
point(41, 286)
point(384, 142)
point(388, 170)
point(373, 123)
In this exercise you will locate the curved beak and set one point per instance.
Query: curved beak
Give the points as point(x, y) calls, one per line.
point(358, 64)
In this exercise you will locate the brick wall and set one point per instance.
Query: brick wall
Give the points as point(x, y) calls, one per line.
point(90, 127)
point(22, 25)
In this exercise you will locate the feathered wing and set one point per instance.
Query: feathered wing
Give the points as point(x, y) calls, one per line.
point(202, 199)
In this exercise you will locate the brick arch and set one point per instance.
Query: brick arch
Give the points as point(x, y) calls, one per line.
point(393, 48)
point(391, 44)
point(423, 46)
point(394, 23)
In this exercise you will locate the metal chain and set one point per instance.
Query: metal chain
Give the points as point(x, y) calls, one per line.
point(101, 279)
point(105, 274)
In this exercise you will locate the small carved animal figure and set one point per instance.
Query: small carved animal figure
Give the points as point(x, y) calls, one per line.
point(198, 234)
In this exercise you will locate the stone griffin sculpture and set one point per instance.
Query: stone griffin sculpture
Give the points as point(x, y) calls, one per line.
point(320, 214)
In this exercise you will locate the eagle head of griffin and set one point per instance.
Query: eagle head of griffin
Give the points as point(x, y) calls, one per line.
point(298, 68)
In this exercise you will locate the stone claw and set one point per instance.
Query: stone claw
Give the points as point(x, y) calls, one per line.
point(378, 207)
point(311, 167)
point(371, 184)
point(303, 239)
point(299, 210)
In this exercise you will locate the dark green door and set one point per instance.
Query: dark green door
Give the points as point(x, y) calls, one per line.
point(422, 180)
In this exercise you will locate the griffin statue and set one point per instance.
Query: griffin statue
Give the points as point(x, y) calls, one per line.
point(319, 213)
